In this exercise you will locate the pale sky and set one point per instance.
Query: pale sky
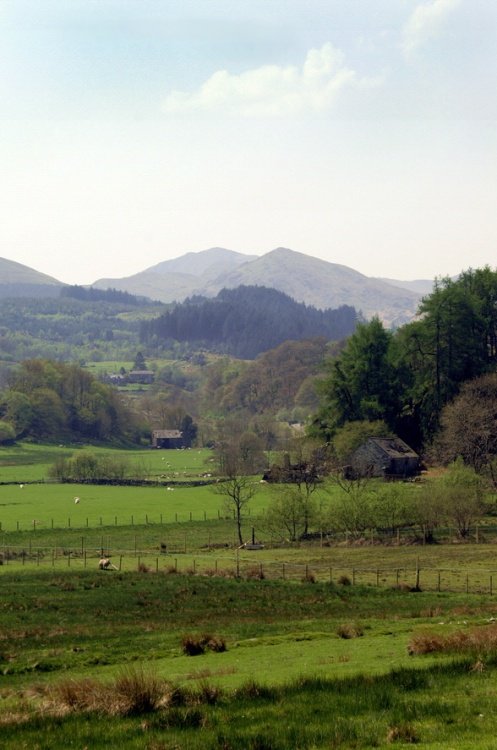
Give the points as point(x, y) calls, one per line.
point(363, 132)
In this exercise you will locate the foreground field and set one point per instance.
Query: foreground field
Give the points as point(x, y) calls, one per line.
point(310, 643)
point(305, 665)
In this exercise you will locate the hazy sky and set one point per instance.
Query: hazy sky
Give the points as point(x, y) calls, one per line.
point(362, 132)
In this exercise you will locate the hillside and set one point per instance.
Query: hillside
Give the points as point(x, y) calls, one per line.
point(246, 321)
point(304, 278)
point(174, 280)
point(18, 280)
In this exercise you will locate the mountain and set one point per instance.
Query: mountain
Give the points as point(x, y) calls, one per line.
point(304, 278)
point(174, 280)
point(322, 284)
point(17, 280)
point(419, 286)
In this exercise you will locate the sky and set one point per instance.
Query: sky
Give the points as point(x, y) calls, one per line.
point(362, 132)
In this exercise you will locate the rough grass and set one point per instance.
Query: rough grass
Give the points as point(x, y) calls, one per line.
point(479, 642)
point(447, 705)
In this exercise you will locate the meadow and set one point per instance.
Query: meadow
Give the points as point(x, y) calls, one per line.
point(311, 643)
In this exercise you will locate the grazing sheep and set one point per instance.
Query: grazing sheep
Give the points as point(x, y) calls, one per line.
point(105, 564)
point(76, 500)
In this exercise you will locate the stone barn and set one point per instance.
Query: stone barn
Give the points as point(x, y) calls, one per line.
point(387, 457)
point(167, 439)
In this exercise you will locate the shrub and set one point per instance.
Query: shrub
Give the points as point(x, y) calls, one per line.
point(142, 568)
point(194, 645)
point(344, 581)
point(350, 630)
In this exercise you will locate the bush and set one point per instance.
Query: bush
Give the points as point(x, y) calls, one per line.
point(194, 645)
point(350, 630)
point(344, 581)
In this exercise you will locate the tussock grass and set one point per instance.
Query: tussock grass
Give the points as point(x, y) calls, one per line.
point(195, 645)
point(479, 641)
point(349, 630)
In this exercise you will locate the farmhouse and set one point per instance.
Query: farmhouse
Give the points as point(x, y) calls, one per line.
point(388, 457)
point(167, 439)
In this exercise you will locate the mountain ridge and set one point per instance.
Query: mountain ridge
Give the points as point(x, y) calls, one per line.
point(305, 278)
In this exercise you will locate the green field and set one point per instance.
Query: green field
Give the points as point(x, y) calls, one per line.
point(316, 635)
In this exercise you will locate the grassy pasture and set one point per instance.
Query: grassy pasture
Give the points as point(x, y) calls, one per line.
point(30, 462)
point(308, 665)
point(316, 688)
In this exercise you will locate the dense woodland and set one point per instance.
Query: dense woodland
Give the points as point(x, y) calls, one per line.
point(248, 320)
point(415, 381)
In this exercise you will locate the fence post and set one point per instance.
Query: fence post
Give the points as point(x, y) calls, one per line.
point(467, 583)
point(156, 564)
point(377, 577)
point(398, 574)
point(331, 575)
point(68, 523)
point(120, 561)
point(353, 576)
point(438, 585)
point(283, 570)
point(238, 563)
point(491, 586)
point(417, 573)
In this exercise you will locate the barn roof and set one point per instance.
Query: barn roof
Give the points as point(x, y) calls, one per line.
point(394, 447)
point(167, 434)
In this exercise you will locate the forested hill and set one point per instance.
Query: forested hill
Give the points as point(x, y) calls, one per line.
point(247, 321)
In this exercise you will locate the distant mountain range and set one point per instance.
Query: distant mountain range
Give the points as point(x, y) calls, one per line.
point(304, 278)
point(17, 280)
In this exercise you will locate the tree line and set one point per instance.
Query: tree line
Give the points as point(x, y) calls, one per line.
point(407, 378)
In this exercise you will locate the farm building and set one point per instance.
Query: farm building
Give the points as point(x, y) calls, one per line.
point(388, 457)
point(145, 377)
point(167, 439)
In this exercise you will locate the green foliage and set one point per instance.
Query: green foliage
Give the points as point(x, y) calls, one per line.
point(52, 400)
point(290, 513)
point(86, 466)
point(360, 384)
point(7, 432)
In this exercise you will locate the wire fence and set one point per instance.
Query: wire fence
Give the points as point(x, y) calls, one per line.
point(237, 564)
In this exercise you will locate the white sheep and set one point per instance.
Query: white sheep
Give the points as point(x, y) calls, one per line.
point(105, 564)
point(76, 500)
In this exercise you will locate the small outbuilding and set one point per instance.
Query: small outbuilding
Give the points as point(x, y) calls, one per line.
point(387, 457)
point(167, 439)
